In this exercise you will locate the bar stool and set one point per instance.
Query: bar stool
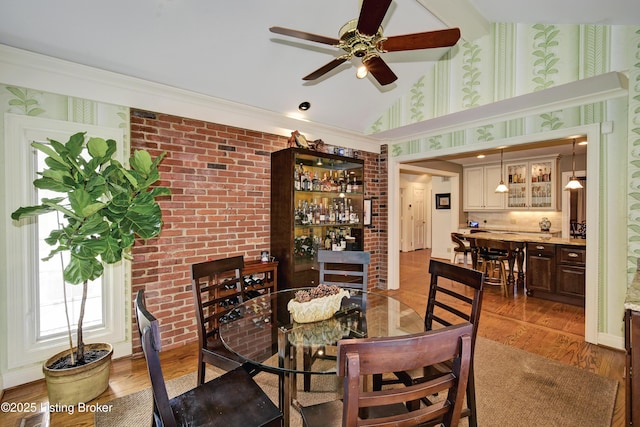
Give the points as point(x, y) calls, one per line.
point(494, 257)
point(462, 247)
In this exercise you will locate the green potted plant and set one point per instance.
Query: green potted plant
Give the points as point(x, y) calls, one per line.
point(103, 206)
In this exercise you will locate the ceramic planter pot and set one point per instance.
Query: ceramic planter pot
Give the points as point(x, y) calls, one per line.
point(79, 384)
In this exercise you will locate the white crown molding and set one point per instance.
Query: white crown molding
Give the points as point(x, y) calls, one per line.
point(35, 71)
point(27, 69)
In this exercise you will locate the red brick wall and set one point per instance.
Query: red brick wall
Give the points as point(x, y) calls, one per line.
point(220, 181)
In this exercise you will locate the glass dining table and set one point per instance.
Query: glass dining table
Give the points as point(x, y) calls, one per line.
point(263, 333)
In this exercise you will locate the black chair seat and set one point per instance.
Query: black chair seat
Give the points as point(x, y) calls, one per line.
point(232, 399)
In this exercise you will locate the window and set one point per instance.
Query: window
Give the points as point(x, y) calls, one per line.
point(50, 298)
point(36, 323)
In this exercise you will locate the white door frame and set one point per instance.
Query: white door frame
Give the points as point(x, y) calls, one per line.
point(592, 310)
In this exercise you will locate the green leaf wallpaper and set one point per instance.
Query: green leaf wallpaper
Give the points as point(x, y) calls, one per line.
point(518, 59)
point(29, 102)
point(633, 172)
point(515, 59)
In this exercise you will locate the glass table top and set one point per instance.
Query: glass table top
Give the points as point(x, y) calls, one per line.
point(261, 330)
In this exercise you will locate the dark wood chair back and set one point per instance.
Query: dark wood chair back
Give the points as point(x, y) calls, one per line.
point(151, 345)
point(216, 286)
point(455, 296)
point(348, 269)
point(376, 356)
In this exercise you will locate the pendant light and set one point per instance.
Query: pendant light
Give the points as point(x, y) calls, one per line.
point(573, 183)
point(501, 188)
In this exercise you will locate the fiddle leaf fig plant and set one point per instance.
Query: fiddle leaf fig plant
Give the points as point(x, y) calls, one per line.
point(104, 206)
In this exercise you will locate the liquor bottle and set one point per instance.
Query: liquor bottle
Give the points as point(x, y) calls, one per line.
point(332, 215)
point(315, 182)
point(347, 211)
point(304, 179)
point(296, 178)
point(326, 184)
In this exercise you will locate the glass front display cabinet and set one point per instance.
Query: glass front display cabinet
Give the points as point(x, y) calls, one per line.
point(317, 202)
point(531, 184)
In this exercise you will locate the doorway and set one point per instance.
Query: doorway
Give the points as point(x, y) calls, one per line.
point(593, 200)
point(414, 211)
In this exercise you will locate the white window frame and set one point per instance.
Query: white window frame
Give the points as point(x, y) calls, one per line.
point(21, 245)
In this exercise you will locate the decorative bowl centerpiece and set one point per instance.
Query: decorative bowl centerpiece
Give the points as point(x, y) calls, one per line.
point(316, 304)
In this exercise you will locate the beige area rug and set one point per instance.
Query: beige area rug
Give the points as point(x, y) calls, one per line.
point(513, 387)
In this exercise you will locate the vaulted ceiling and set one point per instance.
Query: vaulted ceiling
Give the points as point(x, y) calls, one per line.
point(225, 49)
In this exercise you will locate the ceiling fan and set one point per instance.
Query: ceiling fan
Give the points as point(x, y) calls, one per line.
point(363, 38)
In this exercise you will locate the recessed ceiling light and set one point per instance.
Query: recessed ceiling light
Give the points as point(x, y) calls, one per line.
point(304, 106)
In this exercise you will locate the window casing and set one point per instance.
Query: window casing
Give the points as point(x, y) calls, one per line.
point(31, 342)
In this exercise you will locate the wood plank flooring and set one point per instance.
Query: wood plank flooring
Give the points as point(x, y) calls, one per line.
point(546, 328)
point(538, 326)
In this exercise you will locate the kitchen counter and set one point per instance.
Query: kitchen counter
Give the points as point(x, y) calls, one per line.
point(555, 267)
point(497, 229)
point(529, 238)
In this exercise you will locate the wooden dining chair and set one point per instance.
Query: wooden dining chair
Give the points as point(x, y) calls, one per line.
point(213, 283)
point(232, 399)
point(347, 269)
point(455, 296)
point(377, 356)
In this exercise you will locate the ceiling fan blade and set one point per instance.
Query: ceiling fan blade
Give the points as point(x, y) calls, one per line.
point(325, 68)
point(380, 70)
point(305, 36)
point(426, 40)
point(371, 16)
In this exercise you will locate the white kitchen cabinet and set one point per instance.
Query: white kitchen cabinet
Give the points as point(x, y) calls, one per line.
point(479, 185)
point(532, 184)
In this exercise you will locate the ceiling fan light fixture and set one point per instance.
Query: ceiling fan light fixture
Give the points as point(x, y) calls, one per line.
point(362, 72)
point(363, 38)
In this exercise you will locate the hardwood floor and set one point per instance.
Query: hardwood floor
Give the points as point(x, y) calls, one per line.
point(538, 326)
point(546, 328)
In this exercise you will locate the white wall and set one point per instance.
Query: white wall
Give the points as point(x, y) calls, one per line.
point(441, 219)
